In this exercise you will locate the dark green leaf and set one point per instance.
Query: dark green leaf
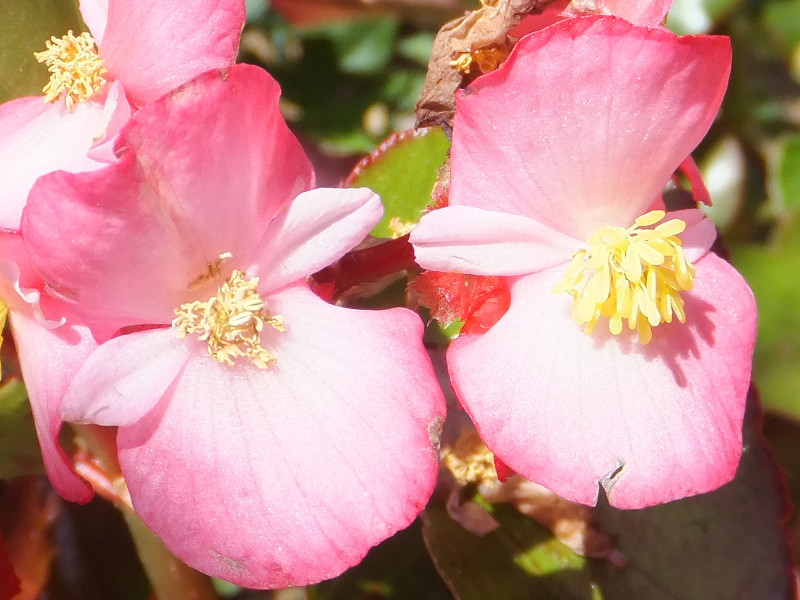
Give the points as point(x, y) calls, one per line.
point(726, 545)
point(19, 446)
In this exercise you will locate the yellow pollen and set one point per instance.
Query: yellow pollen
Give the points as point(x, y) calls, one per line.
point(469, 460)
point(484, 60)
point(75, 68)
point(231, 322)
point(634, 275)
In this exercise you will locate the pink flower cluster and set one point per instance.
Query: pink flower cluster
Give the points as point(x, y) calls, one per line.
point(161, 222)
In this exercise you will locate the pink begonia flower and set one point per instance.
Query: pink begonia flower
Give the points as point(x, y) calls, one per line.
point(312, 434)
point(50, 352)
point(639, 12)
point(138, 50)
point(558, 159)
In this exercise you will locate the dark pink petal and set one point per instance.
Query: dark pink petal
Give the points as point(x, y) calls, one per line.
point(201, 173)
point(95, 15)
point(585, 122)
point(470, 240)
point(314, 230)
point(154, 46)
point(37, 138)
point(288, 476)
point(126, 377)
point(575, 412)
point(49, 359)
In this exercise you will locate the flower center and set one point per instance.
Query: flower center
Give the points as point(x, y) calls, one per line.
point(635, 274)
point(231, 322)
point(75, 68)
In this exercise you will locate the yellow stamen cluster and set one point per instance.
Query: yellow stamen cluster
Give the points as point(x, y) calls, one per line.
point(231, 322)
point(75, 68)
point(469, 460)
point(635, 275)
point(485, 60)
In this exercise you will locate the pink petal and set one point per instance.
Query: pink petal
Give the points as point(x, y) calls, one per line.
point(314, 230)
point(288, 476)
point(552, 13)
point(470, 240)
point(126, 377)
point(154, 46)
point(585, 122)
point(639, 12)
point(145, 228)
point(37, 138)
point(49, 358)
point(574, 412)
point(699, 235)
point(116, 113)
point(95, 14)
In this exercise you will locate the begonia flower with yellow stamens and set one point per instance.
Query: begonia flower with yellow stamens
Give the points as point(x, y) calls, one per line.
point(624, 359)
point(269, 438)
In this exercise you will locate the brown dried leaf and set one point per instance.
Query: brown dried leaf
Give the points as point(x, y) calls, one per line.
point(484, 28)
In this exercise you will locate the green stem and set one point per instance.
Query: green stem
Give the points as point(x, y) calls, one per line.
point(170, 578)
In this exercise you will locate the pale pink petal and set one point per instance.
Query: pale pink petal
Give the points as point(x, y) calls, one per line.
point(470, 240)
point(575, 412)
point(37, 138)
point(616, 109)
point(126, 377)
point(95, 14)
point(699, 235)
point(146, 228)
point(314, 230)
point(639, 12)
point(288, 476)
point(49, 358)
point(154, 46)
point(116, 113)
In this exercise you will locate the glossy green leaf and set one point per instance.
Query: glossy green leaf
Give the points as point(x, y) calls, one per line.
point(728, 544)
point(403, 171)
point(26, 26)
point(771, 272)
point(19, 446)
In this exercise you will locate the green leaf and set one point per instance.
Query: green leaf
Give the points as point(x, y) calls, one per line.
point(520, 560)
point(399, 569)
point(27, 25)
point(362, 47)
point(723, 545)
point(19, 445)
point(403, 171)
point(788, 173)
point(771, 272)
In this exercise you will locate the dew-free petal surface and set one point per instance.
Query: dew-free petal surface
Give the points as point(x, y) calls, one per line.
point(49, 359)
point(574, 411)
point(126, 377)
point(585, 122)
point(154, 46)
point(314, 230)
point(278, 477)
point(37, 138)
point(471, 240)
